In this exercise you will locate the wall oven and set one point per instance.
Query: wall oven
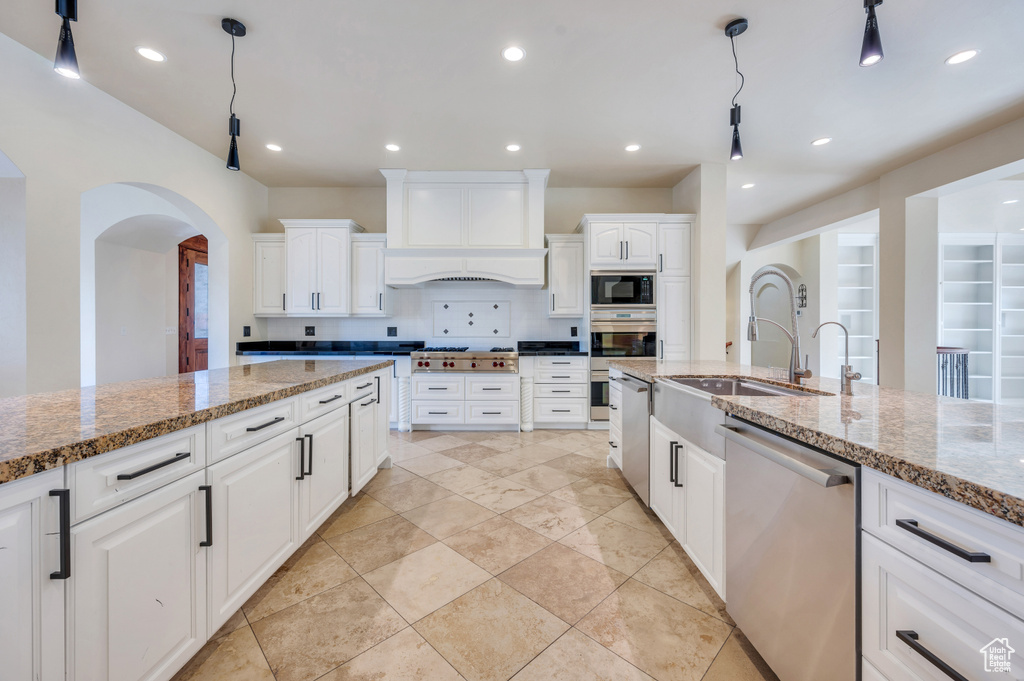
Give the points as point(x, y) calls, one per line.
point(622, 289)
point(616, 333)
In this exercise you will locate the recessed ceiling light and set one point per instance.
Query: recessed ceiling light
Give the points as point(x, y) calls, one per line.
point(513, 53)
point(513, 147)
point(150, 54)
point(1006, 203)
point(747, 185)
point(274, 147)
point(821, 140)
point(633, 147)
point(392, 147)
point(961, 57)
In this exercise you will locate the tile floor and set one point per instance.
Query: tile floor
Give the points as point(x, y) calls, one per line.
point(486, 557)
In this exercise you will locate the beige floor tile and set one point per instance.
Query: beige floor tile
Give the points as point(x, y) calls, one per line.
point(388, 477)
point(538, 453)
point(370, 547)
point(426, 580)
point(592, 495)
point(408, 495)
point(633, 513)
point(407, 452)
point(439, 444)
point(614, 544)
point(416, 435)
point(313, 637)
point(313, 569)
point(461, 478)
point(432, 463)
point(543, 478)
point(491, 632)
point(446, 517)
point(353, 514)
point(667, 639)
point(610, 476)
point(235, 656)
point(551, 517)
point(563, 581)
point(497, 544)
point(501, 495)
point(572, 442)
point(672, 572)
point(598, 451)
point(406, 656)
point(502, 443)
point(578, 464)
point(574, 657)
point(474, 435)
point(738, 661)
point(234, 623)
point(471, 452)
point(505, 463)
point(539, 435)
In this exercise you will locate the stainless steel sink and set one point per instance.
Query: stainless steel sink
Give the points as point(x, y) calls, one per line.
point(739, 386)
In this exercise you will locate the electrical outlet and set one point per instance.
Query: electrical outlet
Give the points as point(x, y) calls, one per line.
point(310, 330)
point(246, 331)
point(171, 331)
point(392, 330)
point(574, 331)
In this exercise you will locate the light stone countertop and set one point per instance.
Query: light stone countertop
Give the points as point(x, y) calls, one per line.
point(971, 452)
point(48, 430)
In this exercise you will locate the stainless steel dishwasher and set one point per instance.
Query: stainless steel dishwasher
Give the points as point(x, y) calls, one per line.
point(636, 435)
point(791, 553)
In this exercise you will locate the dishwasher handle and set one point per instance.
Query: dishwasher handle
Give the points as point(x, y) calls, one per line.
point(634, 385)
point(825, 478)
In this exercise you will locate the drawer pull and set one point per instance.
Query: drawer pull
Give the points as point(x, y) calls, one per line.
point(154, 467)
point(492, 388)
point(561, 411)
point(64, 498)
point(253, 429)
point(364, 385)
point(492, 413)
point(910, 638)
point(614, 446)
point(561, 377)
point(209, 515)
point(331, 399)
point(675, 455)
point(561, 391)
point(310, 471)
point(368, 402)
point(444, 388)
point(970, 556)
point(613, 407)
point(672, 461)
point(561, 362)
point(302, 458)
point(437, 413)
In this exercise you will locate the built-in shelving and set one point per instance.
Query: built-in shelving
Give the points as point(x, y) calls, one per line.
point(967, 307)
point(858, 300)
point(1011, 319)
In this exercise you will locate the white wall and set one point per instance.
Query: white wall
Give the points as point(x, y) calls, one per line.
point(13, 347)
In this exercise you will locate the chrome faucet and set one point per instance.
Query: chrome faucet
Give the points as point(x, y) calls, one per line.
point(795, 372)
point(846, 373)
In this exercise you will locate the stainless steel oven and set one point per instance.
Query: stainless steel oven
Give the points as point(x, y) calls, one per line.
point(616, 333)
point(622, 289)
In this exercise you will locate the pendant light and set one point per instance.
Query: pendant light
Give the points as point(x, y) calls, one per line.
point(66, 63)
point(733, 29)
point(234, 28)
point(871, 50)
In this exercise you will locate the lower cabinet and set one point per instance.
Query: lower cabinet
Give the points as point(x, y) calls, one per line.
point(323, 481)
point(383, 407)
point(666, 501)
point(363, 420)
point(137, 595)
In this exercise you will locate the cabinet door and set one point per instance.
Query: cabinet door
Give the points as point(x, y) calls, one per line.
point(674, 318)
point(300, 249)
point(566, 278)
point(674, 250)
point(333, 264)
point(606, 245)
point(434, 215)
point(664, 454)
point(383, 420)
point(364, 428)
point(368, 290)
point(138, 586)
point(269, 278)
point(704, 476)
point(254, 528)
point(641, 244)
point(497, 216)
point(325, 476)
point(31, 603)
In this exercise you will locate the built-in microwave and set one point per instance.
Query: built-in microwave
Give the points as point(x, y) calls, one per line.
point(622, 289)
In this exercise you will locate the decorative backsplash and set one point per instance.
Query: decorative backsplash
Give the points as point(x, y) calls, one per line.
point(472, 319)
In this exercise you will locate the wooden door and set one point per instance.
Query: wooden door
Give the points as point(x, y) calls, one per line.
point(193, 305)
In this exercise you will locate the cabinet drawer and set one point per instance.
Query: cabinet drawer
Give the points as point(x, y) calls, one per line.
point(559, 391)
point(438, 387)
point(886, 500)
point(437, 412)
point(362, 387)
point(103, 482)
point(234, 433)
point(318, 402)
point(492, 388)
point(487, 412)
point(560, 375)
point(902, 595)
point(562, 363)
point(615, 444)
point(561, 411)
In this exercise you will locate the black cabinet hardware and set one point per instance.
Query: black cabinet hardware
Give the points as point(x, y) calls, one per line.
point(284, 299)
point(364, 385)
point(437, 413)
point(157, 466)
point(627, 250)
point(331, 399)
point(380, 302)
point(64, 499)
point(675, 455)
point(302, 458)
point(659, 262)
point(561, 377)
point(561, 362)
point(318, 301)
point(610, 406)
point(492, 413)
point(971, 557)
point(560, 411)
point(910, 638)
point(552, 302)
point(561, 391)
point(209, 515)
point(671, 461)
point(310, 471)
point(614, 446)
point(436, 388)
point(312, 301)
point(492, 388)
point(368, 402)
point(253, 429)
point(620, 250)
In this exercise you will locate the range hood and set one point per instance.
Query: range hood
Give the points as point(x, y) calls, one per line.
point(465, 226)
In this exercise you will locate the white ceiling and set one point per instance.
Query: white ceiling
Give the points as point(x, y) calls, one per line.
point(981, 209)
point(332, 81)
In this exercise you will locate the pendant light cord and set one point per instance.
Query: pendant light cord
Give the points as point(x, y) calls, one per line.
point(234, 88)
point(736, 61)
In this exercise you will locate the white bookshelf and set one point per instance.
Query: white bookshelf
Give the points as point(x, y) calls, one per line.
point(967, 275)
point(1011, 319)
point(858, 301)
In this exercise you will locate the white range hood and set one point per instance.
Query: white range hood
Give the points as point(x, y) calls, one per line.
point(465, 226)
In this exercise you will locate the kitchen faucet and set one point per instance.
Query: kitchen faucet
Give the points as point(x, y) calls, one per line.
point(846, 373)
point(795, 372)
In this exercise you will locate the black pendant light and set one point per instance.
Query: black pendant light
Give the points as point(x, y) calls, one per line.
point(871, 51)
point(66, 63)
point(234, 28)
point(733, 29)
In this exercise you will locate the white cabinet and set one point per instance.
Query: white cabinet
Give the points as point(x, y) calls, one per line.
point(623, 245)
point(641, 241)
point(566, 276)
point(318, 266)
point(323, 481)
point(674, 249)
point(703, 478)
point(270, 278)
point(31, 602)
point(673, 318)
point(332, 296)
point(664, 480)
point(383, 417)
point(369, 294)
point(301, 254)
point(606, 247)
point(560, 388)
point(363, 446)
point(136, 598)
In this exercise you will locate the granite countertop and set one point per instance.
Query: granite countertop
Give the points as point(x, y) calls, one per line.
point(967, 451)
point(303, 347)
point(48, 430)
point(553, 353)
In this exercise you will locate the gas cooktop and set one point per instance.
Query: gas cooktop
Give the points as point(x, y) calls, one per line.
point(462, 359)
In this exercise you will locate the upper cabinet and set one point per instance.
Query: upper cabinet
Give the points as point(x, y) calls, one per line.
point(318, 264)
point(269, 276)
point(674, 249)
point(566, 276)
point(369, 294)
point(625, 244)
